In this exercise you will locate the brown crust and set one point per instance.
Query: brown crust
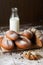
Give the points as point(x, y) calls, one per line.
point(12, 35)
point(38, 42)
point(31, 55)
point(1, 38)
point(39, 38)
point(23, 43)
point(6, 44)
point(27, 34)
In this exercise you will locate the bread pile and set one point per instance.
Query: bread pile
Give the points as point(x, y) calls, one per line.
point(28, 39)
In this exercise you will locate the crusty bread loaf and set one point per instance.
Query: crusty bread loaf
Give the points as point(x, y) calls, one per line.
point(37, 37)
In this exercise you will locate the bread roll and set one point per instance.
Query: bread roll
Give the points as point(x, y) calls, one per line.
point(12, 35)
point(27, 34)
point(23, 43)
point(7, 44)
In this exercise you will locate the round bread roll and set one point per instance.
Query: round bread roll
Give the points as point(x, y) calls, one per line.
point(12, 35)
point(23, 43)
point(7, 44)
point(27, 34)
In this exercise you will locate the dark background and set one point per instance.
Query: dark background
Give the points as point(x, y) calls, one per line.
point(30, 11)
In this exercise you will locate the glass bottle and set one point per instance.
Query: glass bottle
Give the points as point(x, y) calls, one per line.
point(14, 20)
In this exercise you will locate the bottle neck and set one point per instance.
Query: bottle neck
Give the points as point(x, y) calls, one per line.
point(14, 14)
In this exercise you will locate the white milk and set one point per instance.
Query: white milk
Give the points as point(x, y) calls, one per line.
point(14, 21)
